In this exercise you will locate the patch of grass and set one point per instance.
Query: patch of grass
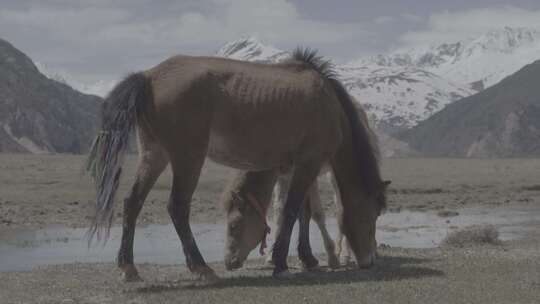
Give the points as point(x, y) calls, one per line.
point(531, 188)
point(417, 191)
point(447, 213)
point(472, 236)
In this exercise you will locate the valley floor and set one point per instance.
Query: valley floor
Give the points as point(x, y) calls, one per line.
point(51, 190)
point(44, 191)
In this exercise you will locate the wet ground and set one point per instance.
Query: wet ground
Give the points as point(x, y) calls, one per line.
point(506, 273)
point(24, 250)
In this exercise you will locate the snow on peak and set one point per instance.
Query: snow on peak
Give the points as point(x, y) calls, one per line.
point(54, 75)
point(489, 58)
point(251, 49)
point(99, 88)
point(507, 38)
point(400, 97)
point(483, 60)
point(456, 69)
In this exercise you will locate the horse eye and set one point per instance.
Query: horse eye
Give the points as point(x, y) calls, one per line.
point(242, 208)
point(239, 204)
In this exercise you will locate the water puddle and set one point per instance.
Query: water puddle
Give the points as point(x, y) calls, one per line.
point(25, 250)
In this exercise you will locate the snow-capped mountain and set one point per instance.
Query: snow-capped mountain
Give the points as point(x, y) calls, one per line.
point(478, 61)
point(407, 86)
point(399, 97)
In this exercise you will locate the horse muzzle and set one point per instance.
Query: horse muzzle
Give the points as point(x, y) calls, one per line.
point(368, 261)
point(233, 263)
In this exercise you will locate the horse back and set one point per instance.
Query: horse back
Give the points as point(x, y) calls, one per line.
point(256, 116)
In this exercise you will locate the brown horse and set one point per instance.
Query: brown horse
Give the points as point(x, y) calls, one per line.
point(293, 116)
point(247, 225)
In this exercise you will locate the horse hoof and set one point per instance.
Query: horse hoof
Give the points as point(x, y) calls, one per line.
point(310, 263)
point(208, 277)
point(131, 278)
point(269, 262)
point(130, 274)
point(333, 262)
point(365, 266)
point(346, 261)
point(366, 262)
point(314, 269)
point(282, 275)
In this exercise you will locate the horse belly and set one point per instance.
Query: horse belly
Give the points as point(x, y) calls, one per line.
point(254, 153)
point(255, 142)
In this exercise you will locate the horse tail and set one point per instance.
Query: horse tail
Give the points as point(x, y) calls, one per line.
point(122, 109)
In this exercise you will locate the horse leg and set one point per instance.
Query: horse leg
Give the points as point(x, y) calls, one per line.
point(304, 248)
point(317, 213)
point(279, 197)
point(339, 244)
point(342, 244)
point(303, 178)
point(343, 248)
point(152, 162)
point(186, 171)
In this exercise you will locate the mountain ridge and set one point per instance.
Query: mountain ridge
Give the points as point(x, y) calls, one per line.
point(501, 121)
point(38, 114)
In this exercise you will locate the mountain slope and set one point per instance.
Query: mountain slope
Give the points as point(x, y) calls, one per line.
point(38, 114)
point(399, 97)
point(501, 121)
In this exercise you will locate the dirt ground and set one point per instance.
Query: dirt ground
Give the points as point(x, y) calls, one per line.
point(40, 191)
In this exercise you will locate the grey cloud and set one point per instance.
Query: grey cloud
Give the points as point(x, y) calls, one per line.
point(104, 39)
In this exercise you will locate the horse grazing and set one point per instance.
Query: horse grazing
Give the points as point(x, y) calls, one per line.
point(246, 201)
point(262, 118)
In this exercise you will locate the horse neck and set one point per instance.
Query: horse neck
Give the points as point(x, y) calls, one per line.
point(356, 169)
point(345, 168)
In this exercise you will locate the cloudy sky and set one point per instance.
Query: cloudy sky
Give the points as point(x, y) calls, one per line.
point(105, 39)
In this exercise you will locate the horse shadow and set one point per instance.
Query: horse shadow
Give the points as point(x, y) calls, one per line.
point(388, 268)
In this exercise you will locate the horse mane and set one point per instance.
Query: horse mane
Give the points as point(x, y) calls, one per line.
point(363, 138)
